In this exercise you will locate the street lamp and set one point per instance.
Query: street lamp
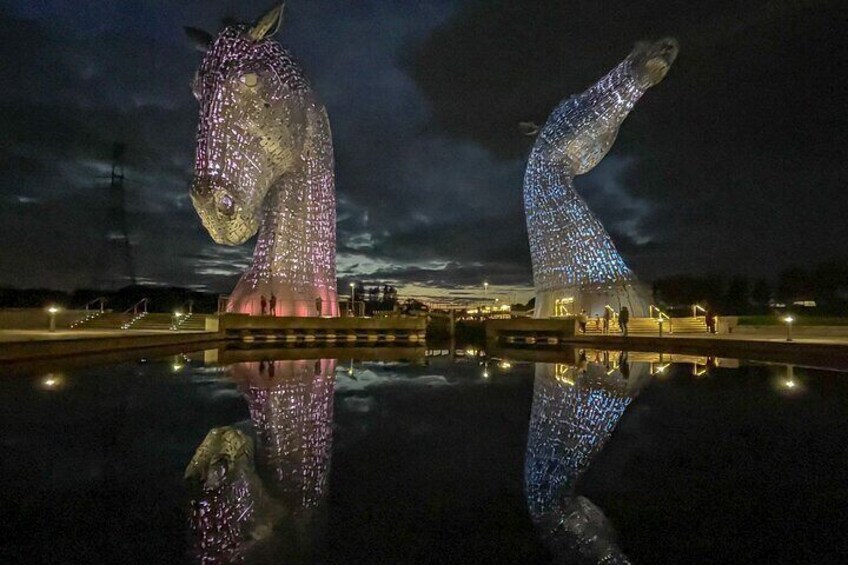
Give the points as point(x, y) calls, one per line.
point(352, 286)
point(788, 320)
point(53, 310)
point(486, 289)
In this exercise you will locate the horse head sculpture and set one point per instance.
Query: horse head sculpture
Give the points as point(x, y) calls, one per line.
point(258, 493)
point(264, 163)
point(576, 409)
point(574, 259)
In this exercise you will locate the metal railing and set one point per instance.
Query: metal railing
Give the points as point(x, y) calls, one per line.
point(135, 307)
point(186, 307)
point(100, 299)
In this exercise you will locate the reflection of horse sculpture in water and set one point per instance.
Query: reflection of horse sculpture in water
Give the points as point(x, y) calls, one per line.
point(267, 508)
point(574, 258)
point(575, 410)
point(265, 163)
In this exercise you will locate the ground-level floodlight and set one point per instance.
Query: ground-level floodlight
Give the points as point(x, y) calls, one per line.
point(788, 320)
point(53, 310)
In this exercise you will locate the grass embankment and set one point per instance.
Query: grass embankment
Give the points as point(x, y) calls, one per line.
point(798, 321)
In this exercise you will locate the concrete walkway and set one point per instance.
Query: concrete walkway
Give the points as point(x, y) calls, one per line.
point(23, 345)
point(734, 337)
point(815, 351)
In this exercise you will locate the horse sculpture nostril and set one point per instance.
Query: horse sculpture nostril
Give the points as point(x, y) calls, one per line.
point(670, 47)
point(201, 187)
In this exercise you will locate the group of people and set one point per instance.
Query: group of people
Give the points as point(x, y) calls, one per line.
point(602, 323)
point(264, 304)
point(603, 358)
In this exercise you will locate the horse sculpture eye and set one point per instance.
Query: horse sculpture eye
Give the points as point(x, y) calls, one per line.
point(225, 204)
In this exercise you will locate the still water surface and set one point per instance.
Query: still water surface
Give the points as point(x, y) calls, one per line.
point(406, 456)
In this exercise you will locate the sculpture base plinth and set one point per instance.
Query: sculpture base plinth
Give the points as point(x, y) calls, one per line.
point(287, 302)
point(571, 300)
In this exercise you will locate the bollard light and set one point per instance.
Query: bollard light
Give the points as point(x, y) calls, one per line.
point(788, 320)
point(52, 381)
point(53, 310)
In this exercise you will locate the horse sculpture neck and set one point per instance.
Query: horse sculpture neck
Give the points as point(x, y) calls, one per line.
point(264, 165)
point(294, 257)
point(570, 249)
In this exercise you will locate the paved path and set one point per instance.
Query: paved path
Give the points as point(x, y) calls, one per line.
point(734, 337)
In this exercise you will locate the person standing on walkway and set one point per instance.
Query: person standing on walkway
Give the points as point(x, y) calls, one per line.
point(318, 304)
point(263, 304)
point(710, 320)
point(583, 319)
point(623, 318)
point(607, 317)
point(273, 304)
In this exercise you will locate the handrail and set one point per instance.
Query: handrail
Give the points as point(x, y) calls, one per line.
point(189, 310)
point(660, 313)
point(695, 308)
point(134, 308)
point(100, 299)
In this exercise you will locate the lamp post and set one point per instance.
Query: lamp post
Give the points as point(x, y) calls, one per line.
point(53, 310)
point(352, 286)
point(788, 320)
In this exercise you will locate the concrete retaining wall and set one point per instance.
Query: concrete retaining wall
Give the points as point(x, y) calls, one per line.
point(37, 318)
point(38, 349)
point(531, 330)
point(331, 330)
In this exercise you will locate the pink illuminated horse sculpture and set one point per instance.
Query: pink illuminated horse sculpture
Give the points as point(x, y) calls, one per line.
point(264, 164)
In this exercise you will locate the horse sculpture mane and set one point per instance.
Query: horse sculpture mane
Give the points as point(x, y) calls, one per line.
point(264, 164)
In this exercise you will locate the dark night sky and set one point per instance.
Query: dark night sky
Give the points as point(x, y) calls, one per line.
point(735, 163)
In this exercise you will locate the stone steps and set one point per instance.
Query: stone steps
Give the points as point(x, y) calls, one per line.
point(651, 326)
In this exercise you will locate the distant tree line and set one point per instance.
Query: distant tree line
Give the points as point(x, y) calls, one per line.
point(161, 299)
point(825, 284)
point(377, 298)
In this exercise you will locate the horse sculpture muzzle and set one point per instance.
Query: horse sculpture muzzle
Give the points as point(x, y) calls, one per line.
point(223, 218)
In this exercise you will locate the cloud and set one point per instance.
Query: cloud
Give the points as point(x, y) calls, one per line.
point(410, 199)
point(365, 379)
point(736, 152)
point(732, 156)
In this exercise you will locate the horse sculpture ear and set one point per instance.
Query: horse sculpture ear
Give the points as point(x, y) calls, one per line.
point(268, 24)
point(528, 128)
point(199, 38)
